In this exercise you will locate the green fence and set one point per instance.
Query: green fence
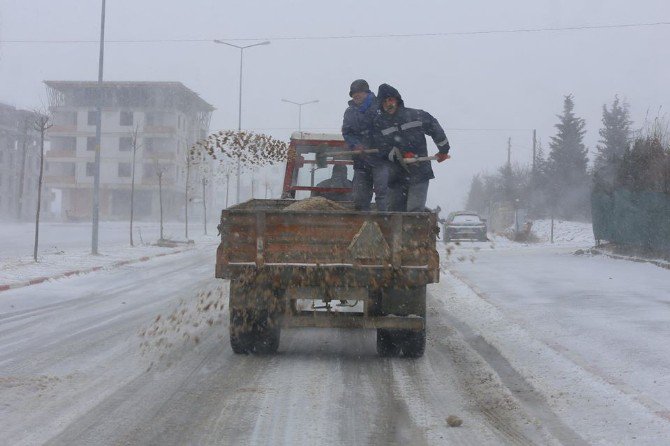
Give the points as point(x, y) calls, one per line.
point(632, 218)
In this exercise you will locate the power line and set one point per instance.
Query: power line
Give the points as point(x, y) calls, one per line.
point(360, 36)
point(446, 129)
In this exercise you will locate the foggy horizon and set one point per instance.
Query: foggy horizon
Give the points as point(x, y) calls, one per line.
point(484, 85)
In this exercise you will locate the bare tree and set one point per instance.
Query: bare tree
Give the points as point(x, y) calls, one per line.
point(204, 204)
point(41, 123)
point(160, 171)
point(226, 171)
point(188, 176)
point(268, 185)
point(135, 146)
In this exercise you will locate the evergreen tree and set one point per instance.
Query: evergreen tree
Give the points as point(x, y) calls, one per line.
point(477, 200)
point(568, 177)
point(538, 185)
point(615, 139)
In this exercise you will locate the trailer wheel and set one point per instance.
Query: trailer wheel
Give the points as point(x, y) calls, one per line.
point(241, 332)
point(253, 332)
point(412, 342)
point(267, 335)
point(255, 313)
point(387, 343)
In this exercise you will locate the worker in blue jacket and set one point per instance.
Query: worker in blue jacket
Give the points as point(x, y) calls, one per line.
point(400, 131)
point(371, 170)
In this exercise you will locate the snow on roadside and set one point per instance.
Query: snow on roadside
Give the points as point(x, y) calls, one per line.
point(565, 232)
point(66, 248)
point(596, 409)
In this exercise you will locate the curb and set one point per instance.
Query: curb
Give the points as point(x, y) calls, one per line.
point(38, 280)
point(655, 262)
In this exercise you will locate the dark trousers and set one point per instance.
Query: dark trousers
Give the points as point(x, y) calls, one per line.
point(405, 197)
point(369, 178)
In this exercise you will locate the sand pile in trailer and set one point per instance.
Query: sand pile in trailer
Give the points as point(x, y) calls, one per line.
point(315, 204)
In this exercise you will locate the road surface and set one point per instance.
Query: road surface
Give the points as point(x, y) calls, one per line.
point(88, 360)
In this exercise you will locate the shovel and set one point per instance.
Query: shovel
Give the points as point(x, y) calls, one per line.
point(404, 162)
point(322, 157)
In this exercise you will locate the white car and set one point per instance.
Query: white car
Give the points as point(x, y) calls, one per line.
point(465, 226)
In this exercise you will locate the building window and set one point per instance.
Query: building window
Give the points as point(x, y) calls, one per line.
point(90, 143)
point(60, 169)
point(124, 170)
point(155, 145)
point(126, 118)
point(159, 118)
point(63, 143)
point(125, 144)
point(92, 118)
point(65, 118)
point(90, 169)
point(153, 169)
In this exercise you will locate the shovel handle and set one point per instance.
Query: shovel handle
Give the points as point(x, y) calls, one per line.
point(351, 152)
point(419, 159)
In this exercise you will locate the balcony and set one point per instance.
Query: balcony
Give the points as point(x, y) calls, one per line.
point(153, 181)
point(58, 180)
point(61, 153)
point(63, 128)
point(158, 155)
point(159, 129)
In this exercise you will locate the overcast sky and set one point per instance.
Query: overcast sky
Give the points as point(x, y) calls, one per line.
point(483, 88)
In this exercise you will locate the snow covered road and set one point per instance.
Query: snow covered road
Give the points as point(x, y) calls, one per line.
point(589, 333)
point(86, 360)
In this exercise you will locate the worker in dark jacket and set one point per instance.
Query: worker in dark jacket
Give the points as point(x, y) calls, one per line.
point(337, 180)
point(371, 170)
point(400, 131)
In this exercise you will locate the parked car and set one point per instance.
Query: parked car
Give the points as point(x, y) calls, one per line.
point(464, 225)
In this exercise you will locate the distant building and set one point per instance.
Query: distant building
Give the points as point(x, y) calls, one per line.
point(168, 118)
point(19, 163)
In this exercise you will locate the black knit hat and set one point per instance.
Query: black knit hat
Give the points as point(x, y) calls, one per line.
point(386, 91)
point(359, 86)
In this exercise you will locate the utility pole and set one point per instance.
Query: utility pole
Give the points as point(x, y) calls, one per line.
point(132, 183)
point(239, 104)
point(188, 175)
point(98, 132)
point(509, 152)
point(300, 104)
point(534, 147)
point(227, 186)
point(22, 173)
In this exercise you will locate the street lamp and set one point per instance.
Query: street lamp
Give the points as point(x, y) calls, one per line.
point(300, 104)
point(95, 211)
point(239, 110)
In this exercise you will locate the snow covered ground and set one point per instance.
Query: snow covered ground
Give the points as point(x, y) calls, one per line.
point(566, 233)
point(66, 247)
point(527, 343)
point(588, 333)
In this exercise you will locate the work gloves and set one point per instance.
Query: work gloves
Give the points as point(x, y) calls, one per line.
point(441, 157)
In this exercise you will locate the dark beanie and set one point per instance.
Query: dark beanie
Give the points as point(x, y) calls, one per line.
point(359, 86)
point(339, 170)
point(386, 91)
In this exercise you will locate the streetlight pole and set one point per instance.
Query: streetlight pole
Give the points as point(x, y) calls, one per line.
point(98, 137)
point(300, 104)
point(239, 108)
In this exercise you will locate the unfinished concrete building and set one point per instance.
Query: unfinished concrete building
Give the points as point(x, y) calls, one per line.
point(166, 117)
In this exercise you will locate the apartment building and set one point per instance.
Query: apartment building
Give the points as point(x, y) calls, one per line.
point(160, 119)
point(19, 163)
